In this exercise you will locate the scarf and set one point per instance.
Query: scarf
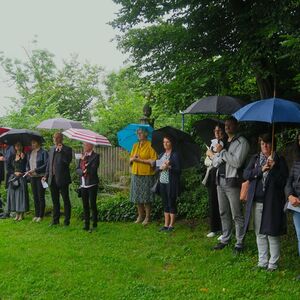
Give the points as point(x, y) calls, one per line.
point(262, 161)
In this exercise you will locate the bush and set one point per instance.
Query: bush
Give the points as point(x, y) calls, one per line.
point(192, 203)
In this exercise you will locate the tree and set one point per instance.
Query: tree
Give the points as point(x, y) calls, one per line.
point(46, 91)
point(125, 97)
point(192, 48)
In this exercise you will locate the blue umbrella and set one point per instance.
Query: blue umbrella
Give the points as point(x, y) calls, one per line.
point(127, 136)
point(273, 110)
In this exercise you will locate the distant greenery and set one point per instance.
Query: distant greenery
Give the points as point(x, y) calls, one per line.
point(129, 261)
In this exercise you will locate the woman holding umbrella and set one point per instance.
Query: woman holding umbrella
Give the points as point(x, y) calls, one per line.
point(142, 159)
point(17, 193)
point(87, 169)
point(267, 175)
point(169, 182)
point(210, 182)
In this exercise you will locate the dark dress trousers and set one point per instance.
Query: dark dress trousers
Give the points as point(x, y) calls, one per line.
point(59, 178)
point(89, 192)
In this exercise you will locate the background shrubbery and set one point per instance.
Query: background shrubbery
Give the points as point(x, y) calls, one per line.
point(192, 203)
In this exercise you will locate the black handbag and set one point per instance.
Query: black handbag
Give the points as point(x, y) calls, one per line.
point(155, 188)
point(15, 182)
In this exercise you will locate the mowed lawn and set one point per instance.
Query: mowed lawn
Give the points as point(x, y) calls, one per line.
point(127, 261)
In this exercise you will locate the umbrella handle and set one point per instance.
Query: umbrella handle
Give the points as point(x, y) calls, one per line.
point(273, 137)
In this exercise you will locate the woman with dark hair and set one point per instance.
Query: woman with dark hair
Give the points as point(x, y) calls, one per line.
point(17, 193)
point(169, 182)
point(267, 173)
point(292, 191)
point(87, 169)
point(142, 160)
point(36, 168)
point(210, 182)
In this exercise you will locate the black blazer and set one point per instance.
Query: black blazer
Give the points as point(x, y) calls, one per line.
point(62, 166)
point(273, 218)
point(93, 162)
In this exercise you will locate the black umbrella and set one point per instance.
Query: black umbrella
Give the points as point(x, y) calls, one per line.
point(23, 136)
point(204, 128)
point(222, 105)
point(189, 152)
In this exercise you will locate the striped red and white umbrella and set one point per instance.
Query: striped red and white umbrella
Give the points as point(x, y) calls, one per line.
point(88, 136)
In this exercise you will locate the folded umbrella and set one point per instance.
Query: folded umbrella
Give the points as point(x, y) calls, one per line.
point(24, 136)
point(59, 123)
point(183, 143)
point(88, 136)
point(127, 136)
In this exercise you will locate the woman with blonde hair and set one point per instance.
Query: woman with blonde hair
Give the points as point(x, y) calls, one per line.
point(142, 160)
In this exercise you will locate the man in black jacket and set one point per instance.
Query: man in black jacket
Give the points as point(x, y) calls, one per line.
point(59, 178)
point(87, 169)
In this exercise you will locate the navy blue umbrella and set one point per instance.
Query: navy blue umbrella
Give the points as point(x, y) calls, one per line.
point(273, 110)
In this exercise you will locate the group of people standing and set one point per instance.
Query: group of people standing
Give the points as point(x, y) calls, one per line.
point(268, 187)
point(50, 168)
point(265, 177)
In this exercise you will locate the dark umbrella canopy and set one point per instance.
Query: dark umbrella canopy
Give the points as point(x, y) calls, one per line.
point(223, 105)
point(204, 128)
point(189, 152)
point(23, 136)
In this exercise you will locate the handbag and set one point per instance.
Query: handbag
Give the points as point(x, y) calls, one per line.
point(155, 188)
point(14, 182)
point(244, 191)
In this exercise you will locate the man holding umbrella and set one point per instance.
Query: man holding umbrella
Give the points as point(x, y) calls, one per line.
point(229, 160)
point(59, 178)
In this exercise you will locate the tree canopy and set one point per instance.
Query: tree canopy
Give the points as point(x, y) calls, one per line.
point(193, 48)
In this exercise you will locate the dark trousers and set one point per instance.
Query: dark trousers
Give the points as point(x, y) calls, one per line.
point(38, 196)
point(64, 191)
point(169, 203)
point(214, 212)
point(89, 199)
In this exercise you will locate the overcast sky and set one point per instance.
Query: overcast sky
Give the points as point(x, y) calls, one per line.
point(63, 27)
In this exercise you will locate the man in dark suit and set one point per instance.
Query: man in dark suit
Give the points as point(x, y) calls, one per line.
point(87, 169)
point(58, 177)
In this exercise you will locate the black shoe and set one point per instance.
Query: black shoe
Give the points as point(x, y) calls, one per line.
point(164, 228)
point(95, 225)
point(238, 250)
point(219, 246)
point(171, 228)
point(86, 228)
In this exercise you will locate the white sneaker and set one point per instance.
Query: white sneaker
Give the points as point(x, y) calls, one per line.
point(34, 219)
point(211, 234)
point(38, 219)
point(220, 238)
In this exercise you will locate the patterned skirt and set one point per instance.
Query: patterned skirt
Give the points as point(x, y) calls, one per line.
point(140, 188)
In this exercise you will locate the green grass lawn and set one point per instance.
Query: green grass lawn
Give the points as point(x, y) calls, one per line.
point(127, 261)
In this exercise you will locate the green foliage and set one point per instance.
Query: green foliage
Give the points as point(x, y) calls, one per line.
point(191, 49)
point(46, 91)
point(193, 202)
point(126, 96)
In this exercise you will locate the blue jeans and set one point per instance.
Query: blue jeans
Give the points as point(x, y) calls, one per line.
point(296, 217)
